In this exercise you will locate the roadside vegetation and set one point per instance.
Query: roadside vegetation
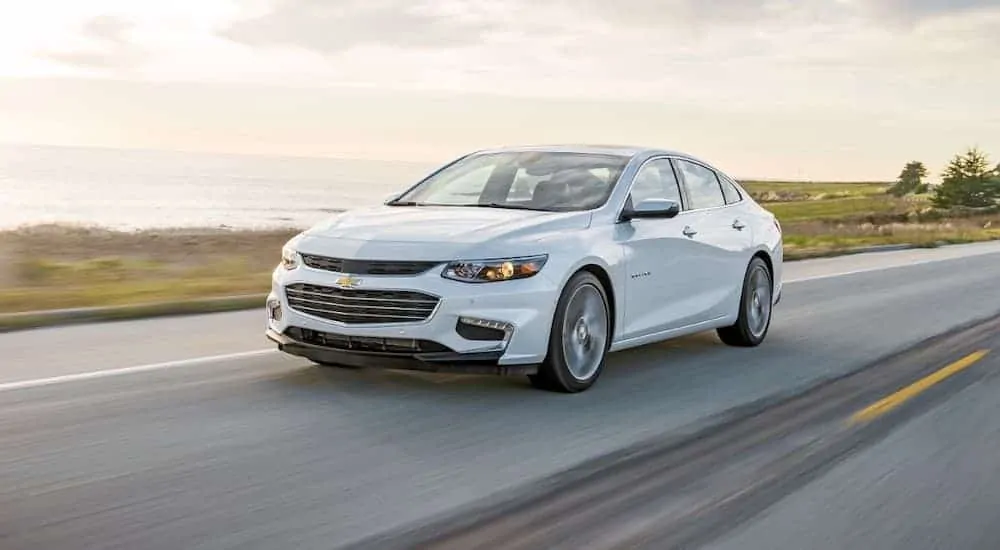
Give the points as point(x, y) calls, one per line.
point(832, 218)
point(58, 266)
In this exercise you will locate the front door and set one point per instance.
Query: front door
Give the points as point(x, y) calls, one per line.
point(663, 264)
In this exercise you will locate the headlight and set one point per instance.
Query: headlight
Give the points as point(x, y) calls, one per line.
point(488, 271)
point(289, 258)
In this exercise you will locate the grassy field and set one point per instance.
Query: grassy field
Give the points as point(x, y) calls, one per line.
point(53, 267)
point(784, 191)
point(826, 218)
point(800, 201)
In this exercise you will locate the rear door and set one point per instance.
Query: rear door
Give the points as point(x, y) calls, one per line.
point(724, 237)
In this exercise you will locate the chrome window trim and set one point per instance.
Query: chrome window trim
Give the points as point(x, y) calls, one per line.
point(718, 180)
point(683, 185)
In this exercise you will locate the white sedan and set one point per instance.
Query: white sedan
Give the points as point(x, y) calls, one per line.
point(532, 260)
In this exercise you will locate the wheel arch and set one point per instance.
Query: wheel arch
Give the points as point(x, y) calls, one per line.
point(609, 289)
point(763, 255)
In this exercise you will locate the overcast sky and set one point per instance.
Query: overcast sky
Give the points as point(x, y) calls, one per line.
point(766, 88)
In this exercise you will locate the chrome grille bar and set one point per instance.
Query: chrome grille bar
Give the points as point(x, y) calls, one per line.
point(360, 306)
point(367, 267)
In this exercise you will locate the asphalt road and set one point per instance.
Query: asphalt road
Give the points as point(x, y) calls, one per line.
point(689, 492)
point(215, 444)
point(932, 484)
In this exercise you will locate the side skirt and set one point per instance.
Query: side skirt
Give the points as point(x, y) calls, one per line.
point(670, 334)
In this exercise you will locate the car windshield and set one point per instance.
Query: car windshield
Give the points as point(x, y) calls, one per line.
point(546, 181)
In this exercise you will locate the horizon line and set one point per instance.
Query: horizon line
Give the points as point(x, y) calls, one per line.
point(428, 163)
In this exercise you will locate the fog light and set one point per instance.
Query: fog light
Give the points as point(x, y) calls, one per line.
point(274, 310)
point(483, 330)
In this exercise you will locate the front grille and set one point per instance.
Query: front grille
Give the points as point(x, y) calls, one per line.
point(366, 267)
point(361, 306)
point(396, 346)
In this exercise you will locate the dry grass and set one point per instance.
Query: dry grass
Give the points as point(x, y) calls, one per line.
point(810, 237)
point(787, 191)
point(845, 208)
point(792, 201)
point(56, 266)
point(180, 247)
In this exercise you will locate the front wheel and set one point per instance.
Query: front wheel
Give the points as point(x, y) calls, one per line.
point(755, 308)
point(579, 338)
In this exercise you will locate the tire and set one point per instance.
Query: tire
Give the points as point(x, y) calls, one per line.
point(754, 319)
point(578, 339)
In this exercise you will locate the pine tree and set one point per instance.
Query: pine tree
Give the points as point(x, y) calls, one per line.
point(968, 181)
point(910, 180)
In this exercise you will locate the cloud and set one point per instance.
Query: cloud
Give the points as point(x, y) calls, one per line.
point(107, 27)
point(332, 27)
point(754, 55)
point(737, 12)
point(108, 46)
point(651, 44)
point(751, 55)
point(848, 87)
point(685, 13)
point(916, 10)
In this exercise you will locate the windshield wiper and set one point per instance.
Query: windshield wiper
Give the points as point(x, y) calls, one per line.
point(472, 205)
point(505, 205)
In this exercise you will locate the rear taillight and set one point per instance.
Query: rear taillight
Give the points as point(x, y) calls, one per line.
point(777, 225)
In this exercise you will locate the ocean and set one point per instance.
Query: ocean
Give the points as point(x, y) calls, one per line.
point(139, 189)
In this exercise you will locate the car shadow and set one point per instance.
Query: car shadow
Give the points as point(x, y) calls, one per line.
point(654, 389)
point(621, 368)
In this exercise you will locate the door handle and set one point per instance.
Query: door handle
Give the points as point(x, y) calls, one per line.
point(738, 225)
point(689, 232)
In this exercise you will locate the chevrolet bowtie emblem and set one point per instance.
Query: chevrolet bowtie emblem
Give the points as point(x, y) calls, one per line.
point(348, 282)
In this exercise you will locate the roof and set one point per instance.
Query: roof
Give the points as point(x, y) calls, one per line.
point(622, 150)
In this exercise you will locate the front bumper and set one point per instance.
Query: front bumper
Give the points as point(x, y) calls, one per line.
point(525, 307)
point(466, 363)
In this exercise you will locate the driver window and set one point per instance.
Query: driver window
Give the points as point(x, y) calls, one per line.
point(523, 187)
point(655, 180)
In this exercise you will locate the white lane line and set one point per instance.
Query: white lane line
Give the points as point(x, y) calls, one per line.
point(39, 382)
point(26, 384)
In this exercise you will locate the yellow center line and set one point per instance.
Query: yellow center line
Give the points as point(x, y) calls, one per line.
point(896, 399)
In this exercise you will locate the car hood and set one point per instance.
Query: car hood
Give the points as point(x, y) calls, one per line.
point(435, 233)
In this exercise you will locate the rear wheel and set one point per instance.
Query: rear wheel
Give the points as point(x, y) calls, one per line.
point(579, 338)
point(754, 319)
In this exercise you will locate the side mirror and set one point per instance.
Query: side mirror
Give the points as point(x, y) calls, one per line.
point(652, 208)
